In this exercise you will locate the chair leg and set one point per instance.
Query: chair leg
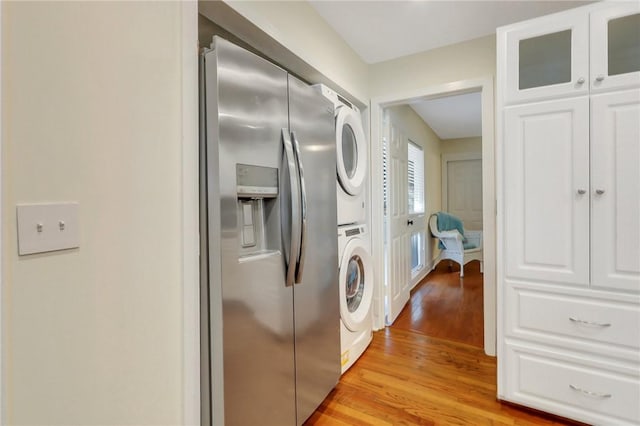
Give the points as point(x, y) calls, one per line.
point(462, 270)
point(481, 267)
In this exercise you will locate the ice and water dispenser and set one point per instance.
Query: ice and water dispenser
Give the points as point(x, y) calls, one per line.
point(257, 190)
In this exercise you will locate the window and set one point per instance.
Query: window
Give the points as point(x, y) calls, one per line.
point(415, 167)
point(417, 252)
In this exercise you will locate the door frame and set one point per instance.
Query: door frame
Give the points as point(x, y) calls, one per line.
point(446, 159)
point(485, 85)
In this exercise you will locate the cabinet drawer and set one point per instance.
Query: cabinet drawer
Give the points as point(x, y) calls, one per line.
point(562, 386)
point(606, 327)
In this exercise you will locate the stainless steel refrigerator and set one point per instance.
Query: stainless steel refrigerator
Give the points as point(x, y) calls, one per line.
point(269, 295)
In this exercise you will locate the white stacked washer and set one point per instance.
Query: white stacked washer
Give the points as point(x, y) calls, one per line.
point(356, 270)
point(356, 292)
point(351, 152)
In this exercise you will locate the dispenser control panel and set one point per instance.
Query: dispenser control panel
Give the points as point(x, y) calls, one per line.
point(256, 181)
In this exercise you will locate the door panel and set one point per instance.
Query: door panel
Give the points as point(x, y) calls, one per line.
point(399, 256)
point(464, 192)
point(615, 157)
point(615, 47)
point(316, 297)
point(548, 58)
point(547, 191)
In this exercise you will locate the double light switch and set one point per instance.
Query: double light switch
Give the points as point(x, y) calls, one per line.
point(47, 227)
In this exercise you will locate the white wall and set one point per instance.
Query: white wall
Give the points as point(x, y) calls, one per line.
point(297, 26)
point(92, 95)
point(418, 131)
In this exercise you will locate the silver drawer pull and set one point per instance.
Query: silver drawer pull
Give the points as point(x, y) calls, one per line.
point(589, 393)
point(597, 324)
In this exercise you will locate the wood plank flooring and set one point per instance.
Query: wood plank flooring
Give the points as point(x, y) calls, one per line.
point(408, 378)
point(446, 306)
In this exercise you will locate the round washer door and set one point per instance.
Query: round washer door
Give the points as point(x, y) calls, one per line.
point(356, 285)
point(351, 148)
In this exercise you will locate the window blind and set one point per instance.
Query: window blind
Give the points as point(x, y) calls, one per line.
point(385, 181)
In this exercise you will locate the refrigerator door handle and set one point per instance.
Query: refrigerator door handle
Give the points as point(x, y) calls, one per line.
point(294, 248)
point(303, 204)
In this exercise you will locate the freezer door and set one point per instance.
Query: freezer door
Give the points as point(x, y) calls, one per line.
point(251, 308)
point(316, 297)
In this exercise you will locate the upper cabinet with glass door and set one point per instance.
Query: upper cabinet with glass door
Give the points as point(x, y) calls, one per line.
point(615, 47)
point(546, 57)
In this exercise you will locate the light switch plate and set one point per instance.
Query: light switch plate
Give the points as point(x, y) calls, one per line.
point(47, 227)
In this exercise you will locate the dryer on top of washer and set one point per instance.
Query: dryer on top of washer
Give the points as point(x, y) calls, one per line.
point(352, 158)
point(355, 279)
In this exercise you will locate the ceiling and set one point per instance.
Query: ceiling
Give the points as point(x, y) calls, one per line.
point(383, 30)
point(452, 117)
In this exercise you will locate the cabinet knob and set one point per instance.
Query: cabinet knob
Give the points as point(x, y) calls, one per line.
point(581, 80)
point(582, 191)
point(600, 77)
point(599, 191)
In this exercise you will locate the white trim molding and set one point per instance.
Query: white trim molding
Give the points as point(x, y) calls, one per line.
point(485, 86)
point(190, 220)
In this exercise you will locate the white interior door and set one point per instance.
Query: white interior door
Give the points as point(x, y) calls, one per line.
point(464, 192)
point(399, 261)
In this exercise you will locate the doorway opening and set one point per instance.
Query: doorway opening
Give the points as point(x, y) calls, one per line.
point(445, 134)
point(457, 177)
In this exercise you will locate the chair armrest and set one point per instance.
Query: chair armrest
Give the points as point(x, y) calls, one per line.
point(450, 235)
point(474, 237)
point(452, 240)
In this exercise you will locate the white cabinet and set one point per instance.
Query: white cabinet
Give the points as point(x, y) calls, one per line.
point(615, 190)
point(615, 47)
point(547, 58)
point(581, 388)
point(572, 53)
point(569, 213)
point(546, 161)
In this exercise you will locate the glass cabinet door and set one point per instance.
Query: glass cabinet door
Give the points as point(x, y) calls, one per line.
point(615, 47)
point(547, 58)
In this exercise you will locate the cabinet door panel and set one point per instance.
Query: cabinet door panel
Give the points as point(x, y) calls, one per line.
point(546, 148)
point(615, 169)
point(615, 47)
point(547, 57)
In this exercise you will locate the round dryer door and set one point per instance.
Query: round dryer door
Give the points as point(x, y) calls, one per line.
point(351, 148)
point(356, 285)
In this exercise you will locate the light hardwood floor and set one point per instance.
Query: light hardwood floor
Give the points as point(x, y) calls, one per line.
point(408, 378)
